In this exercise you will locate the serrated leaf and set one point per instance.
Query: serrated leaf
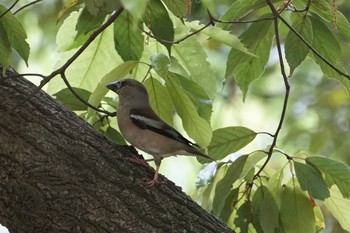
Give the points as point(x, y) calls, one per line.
point(136, 8)
point(196, 127)
point(228, 140)
point(296, 211)
point(88, 22)
point(220, 35)
point(324, 9)
point(100, 91)
point(239, 9)
point(191, 55)
point(179, 7)
point(128, 39)
point(159, 23)
point(327, 45)
point(14, 33)
point(339, 207)
point(244, 68)
point(66, 97)
point(160, 100)
point(335, 172)
point(311, 180)
point(224, 186)
point(295, 49)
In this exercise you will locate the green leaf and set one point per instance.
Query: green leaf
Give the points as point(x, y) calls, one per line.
point(296, 211)
point(229, 204)
point(160, 100)
point(88, 22)
point(228, 140)
point(195, 126)
point(5, 48)
point(66, 97)
point(244, 68)
point(295, 49)
point(239, 9)
point(96, 61)
point(252, 160)
point(160, 24)
point(269, 212)
point(136, 8)
point(128, 39)
point(221, 35)
point(335, 172)
point(311, 180)
point(100, 91)
point(327, 45)
point(224, 186)
point(15, 34)
point(192, 56)
point(98, 7)
point(179, 7)
point(274, 184)
point(199, 97)
point(115, 136)
point(339, 207)
point(244, 216)
point(160, 63)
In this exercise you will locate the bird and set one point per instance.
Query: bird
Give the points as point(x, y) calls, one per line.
point(145, 130)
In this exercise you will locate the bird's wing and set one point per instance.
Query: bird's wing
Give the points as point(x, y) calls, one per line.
point(147, 119)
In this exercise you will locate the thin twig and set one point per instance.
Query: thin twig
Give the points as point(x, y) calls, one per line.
point(25, 6)
point(9, 9)
point(286, 84)
point(62, 69)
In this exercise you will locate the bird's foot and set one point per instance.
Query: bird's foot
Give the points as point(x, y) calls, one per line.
point(150, 183)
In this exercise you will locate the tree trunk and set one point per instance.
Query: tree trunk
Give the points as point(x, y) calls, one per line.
point(58, 174)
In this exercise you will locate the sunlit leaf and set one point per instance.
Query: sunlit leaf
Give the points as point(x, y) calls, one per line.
point(269, 212)
point(339, 207)
point(228, 140)
point(335, 172)
point(160, 63)
point(101, 90)
point(160, 100)
point(196, 127)
point(136, 8)
point(296, 211)
point(221, 35)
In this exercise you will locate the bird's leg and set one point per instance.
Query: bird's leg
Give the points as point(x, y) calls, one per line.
point(140, 161)
point(154, 181)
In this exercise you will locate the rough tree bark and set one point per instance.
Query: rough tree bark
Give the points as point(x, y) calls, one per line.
point(58, 174)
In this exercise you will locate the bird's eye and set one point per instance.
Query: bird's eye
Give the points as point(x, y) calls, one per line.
point(122, 83)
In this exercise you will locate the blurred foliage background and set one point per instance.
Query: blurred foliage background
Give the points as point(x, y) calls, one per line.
point(318, 116)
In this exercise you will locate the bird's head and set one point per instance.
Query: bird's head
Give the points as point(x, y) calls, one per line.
point(129, 89)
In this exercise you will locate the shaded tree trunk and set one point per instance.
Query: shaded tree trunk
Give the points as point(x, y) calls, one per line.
point(58, 174)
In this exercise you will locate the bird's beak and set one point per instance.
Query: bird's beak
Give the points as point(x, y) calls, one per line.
point(115, 86)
